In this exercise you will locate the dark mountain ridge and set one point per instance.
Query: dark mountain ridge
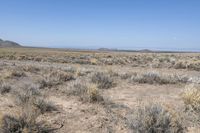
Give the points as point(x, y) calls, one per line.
point(7, 43)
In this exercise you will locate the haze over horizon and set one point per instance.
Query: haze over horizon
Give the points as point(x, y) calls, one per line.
point(120, 24)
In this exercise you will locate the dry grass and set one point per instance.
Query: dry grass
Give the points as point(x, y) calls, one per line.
point(85, 91)
point(191, 98)
point(155, 118)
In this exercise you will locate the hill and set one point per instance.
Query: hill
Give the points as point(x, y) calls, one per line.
point(8, 44)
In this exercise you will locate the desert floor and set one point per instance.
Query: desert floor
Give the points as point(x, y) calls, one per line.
point(67, 91)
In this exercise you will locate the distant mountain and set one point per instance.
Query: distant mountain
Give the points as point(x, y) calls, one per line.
point(107, 49)
point(146, 51)
point(8, 44)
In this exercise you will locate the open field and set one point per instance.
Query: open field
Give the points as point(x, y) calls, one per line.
point(63, 91)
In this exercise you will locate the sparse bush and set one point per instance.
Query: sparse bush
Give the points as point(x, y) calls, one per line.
point(93, 93)
point(46, 82)
point(27, 95)
point(32, 105)
point(70, 69)
point(61, 76)
point(5, 88)
point(180, 65)
point(22, 124)
point(31, 96)
point(155, 77)
point(103, 80)
point(127, 75)
point(78, 88)
point(149, 77)
point(16, 73)
point(30, 68)
point(154, 118)
point(45, 106)
point(191, 65)
point(194, 65)
point(112, 73)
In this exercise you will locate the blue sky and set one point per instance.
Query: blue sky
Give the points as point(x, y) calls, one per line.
point(124, 24)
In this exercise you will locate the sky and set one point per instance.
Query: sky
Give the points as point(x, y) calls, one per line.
point(119, 24)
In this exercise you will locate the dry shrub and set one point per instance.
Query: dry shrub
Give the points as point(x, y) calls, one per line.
point(149, 77)
point(17, 73)
point(32, 96)
point(14, 73)
point(24, 123)
point(195, 65)
point(112, 73)
point(45, 106)
point(55, 78)
point(30, 68)
point(191, 98)
point(85, 91)
point(152, 78)
point(93, 93)
point(155, 77)
point(32, 105)
point(181, 65)
point(155, 118)
point(61, 75)
point(127, 75)
point(93, 61)
point(191, 65)
point(5, 88)
point(103, 80)
point(70, 69)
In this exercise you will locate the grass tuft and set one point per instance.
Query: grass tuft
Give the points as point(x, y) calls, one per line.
point(191, 98)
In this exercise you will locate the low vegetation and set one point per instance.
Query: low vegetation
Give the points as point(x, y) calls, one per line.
point(32, 97)
point(157, 78)
point(191, 98)
point(85, 91)
point(11, 73)
point(22, 124)
point(155, 118)
point(168, 60)
point(31, 106)
point(91, 91)
point(5, 88)
point(103, 80)
point(55, 78)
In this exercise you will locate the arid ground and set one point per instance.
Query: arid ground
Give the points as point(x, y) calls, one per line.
point(65, 91)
